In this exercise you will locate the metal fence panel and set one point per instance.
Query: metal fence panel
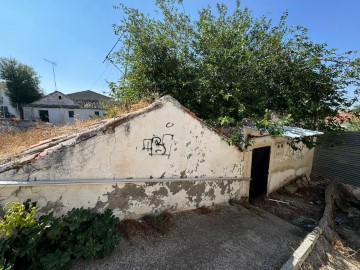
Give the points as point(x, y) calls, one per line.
point(338, 157)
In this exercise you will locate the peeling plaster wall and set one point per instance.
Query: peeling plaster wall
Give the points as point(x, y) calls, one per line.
point(161, 157)
point(166, 142)
point(127, 199)
point(285, 163)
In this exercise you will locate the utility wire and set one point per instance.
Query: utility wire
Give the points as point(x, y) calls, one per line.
point(53, 65)
point(107, 56)
point(98, 78)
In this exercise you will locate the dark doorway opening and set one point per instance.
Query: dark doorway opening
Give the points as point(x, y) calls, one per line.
point(259, 172)
point(44, 115)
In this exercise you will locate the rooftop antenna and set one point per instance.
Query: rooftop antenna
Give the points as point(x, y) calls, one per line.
point(53, 65)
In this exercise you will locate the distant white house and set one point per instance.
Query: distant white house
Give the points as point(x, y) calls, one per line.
point(6, 109)
point(58, 108)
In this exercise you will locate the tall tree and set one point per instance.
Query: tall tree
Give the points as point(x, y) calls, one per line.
point(227, 67)
point(22, 82)
point(356, 109)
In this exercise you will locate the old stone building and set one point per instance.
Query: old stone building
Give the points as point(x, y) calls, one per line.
point(160, 157)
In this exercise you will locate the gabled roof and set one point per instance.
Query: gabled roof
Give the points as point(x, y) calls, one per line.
point(84, 99)
point(87, 95)
point(54, 100)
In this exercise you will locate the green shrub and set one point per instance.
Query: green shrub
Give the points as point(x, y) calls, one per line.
point(52, 242)
point(18, 216)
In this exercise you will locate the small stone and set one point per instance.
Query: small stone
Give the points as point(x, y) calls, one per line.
point(291, 189)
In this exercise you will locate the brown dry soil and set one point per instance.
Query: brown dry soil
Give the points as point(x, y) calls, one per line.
point(347, 218)
point(303, 205)
point(296, 203)
point(339, 246)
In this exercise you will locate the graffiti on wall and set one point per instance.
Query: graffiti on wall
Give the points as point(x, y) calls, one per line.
point(160, 146)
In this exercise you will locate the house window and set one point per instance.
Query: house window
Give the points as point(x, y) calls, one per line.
point(71, 114)
point(97, 113)
point(59, 97)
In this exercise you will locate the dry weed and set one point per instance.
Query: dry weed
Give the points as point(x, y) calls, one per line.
point(343, 249)
point(16, 142)
point(203, 210)
point(162, 223)
point(12, 143)
point(154, 225)
point(130, 228)
point(116, 110)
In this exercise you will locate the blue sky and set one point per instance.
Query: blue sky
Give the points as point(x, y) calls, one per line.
point(78, 34)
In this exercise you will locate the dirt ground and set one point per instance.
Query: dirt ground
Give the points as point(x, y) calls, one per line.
point(332, 255)
point(347, 217)
point(229, 237)
point(302, 204)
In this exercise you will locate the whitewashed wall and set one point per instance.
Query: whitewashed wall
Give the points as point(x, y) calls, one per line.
point(60, 115)
point(163, 143)
point(285, 163)
point(160, 158)
point(4, 101)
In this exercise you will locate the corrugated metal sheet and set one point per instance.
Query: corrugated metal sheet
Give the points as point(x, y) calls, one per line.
point(338, 157)
point(294, 132)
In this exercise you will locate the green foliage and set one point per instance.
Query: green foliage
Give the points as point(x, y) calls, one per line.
point(298, 143)
point(112, 110)
point(226, 66)
point(354, 124)
point(17, 216)
point(238, 139)
point(275, 128)
point(56, 260)
point(52, 242)
point(356, 109)
point(22, 82)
